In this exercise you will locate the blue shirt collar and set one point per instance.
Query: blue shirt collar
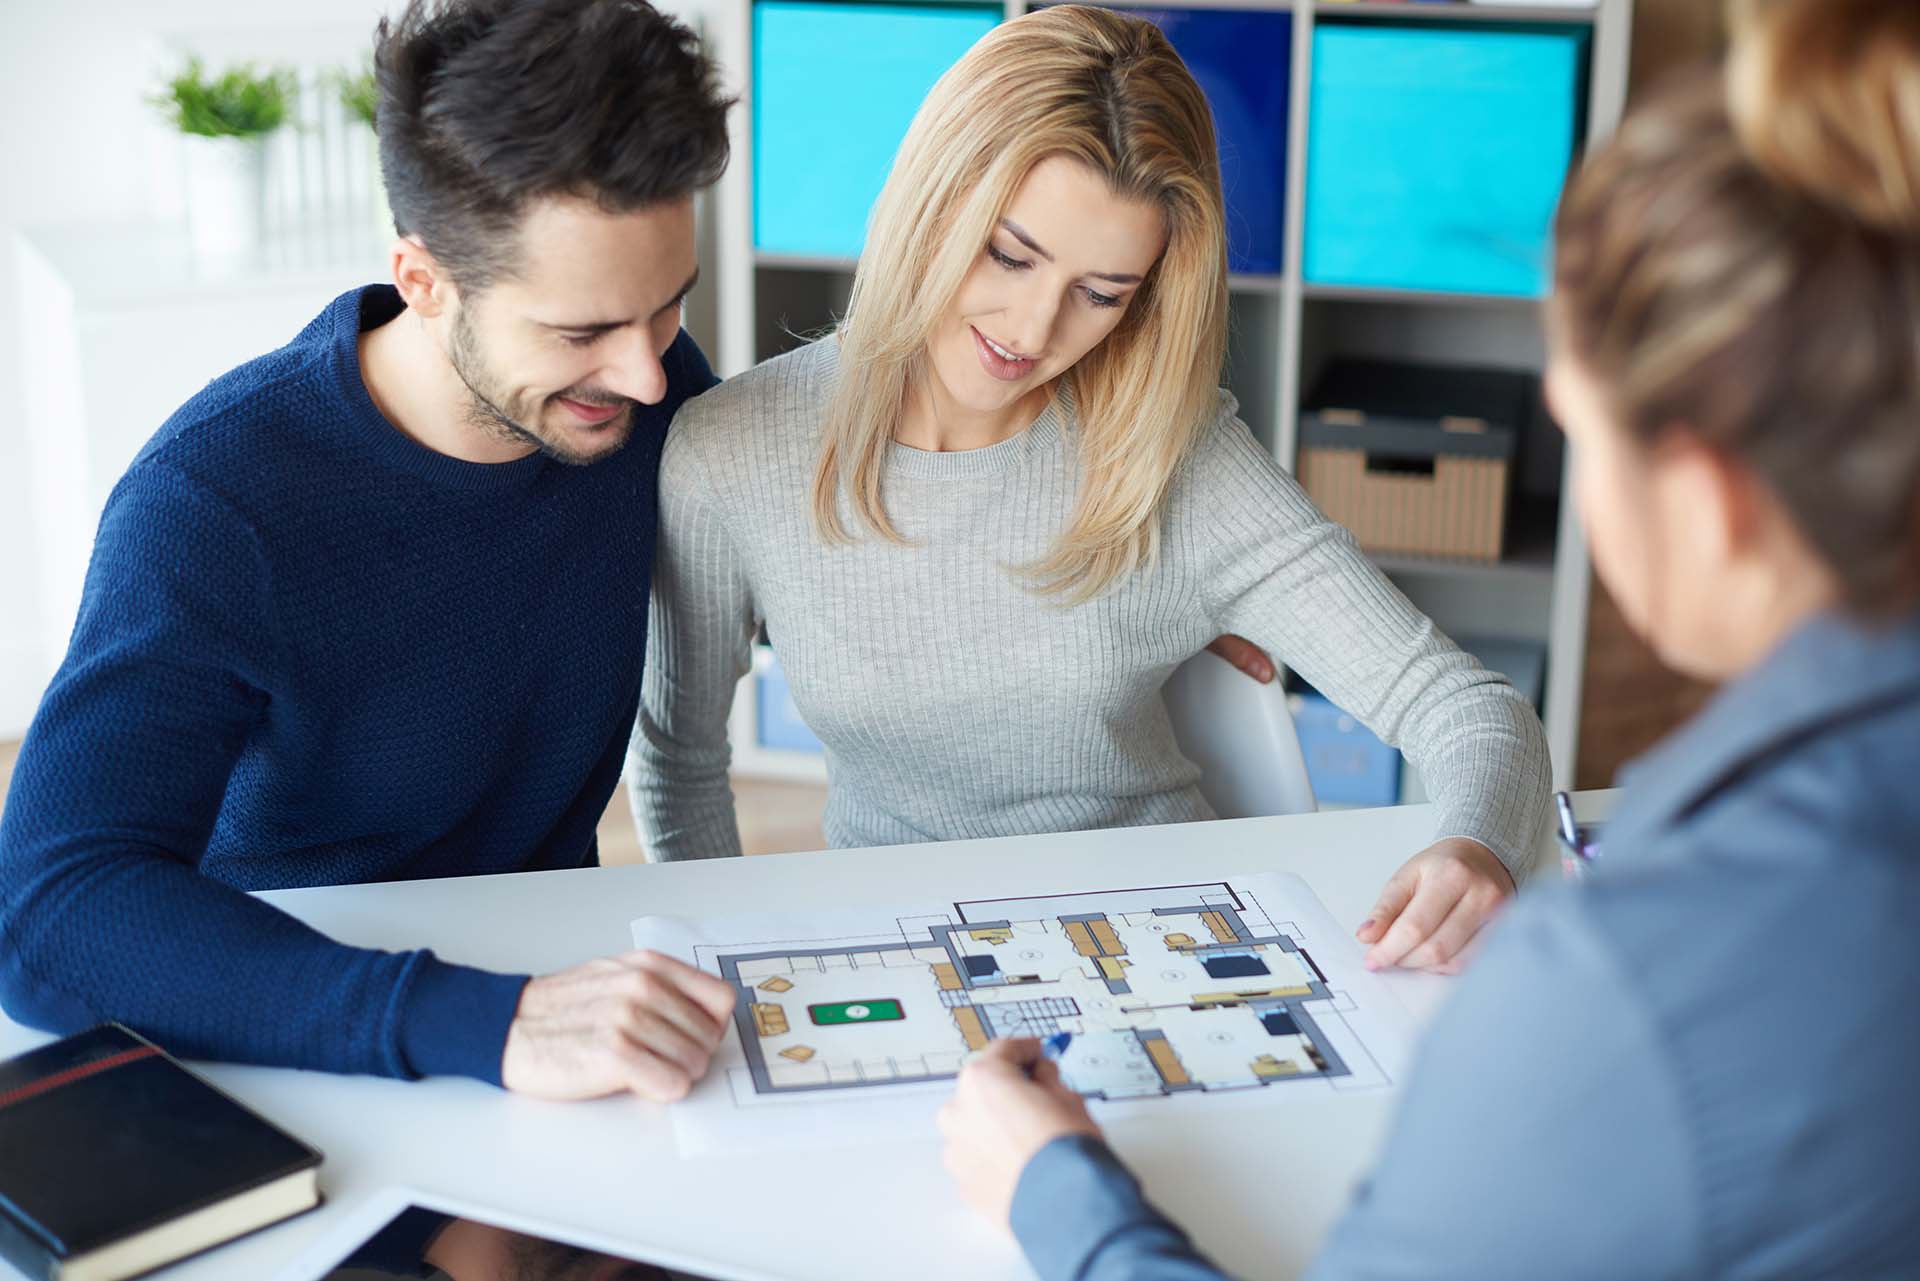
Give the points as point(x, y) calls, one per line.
point(1828, 670)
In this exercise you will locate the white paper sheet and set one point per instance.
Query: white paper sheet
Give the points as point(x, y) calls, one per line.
point(851, 1025)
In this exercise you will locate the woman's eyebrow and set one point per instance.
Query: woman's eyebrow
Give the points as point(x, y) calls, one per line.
point(1019, 233)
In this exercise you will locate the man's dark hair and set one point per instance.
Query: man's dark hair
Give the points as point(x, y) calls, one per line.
point(488, 105)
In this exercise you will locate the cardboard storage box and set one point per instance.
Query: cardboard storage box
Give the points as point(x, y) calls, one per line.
point(1416, 459)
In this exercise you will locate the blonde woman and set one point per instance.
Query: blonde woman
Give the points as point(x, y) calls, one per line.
point(985, 520)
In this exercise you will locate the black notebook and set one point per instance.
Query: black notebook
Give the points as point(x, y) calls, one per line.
point(115, 1159)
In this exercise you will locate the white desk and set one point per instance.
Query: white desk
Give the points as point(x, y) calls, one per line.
point(1257, 1186)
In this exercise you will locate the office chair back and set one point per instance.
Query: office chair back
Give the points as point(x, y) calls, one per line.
point(1240, 733)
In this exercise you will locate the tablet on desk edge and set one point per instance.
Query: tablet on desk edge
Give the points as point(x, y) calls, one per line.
point(367, 1220)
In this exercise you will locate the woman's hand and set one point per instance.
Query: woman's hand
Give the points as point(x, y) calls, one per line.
point(1434, 905)
point(1000, 1116)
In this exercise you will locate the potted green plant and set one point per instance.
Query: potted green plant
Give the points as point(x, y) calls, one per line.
point(225, 121)
point(359, 94)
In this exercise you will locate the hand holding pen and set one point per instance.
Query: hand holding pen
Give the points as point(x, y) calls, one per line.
point(1009, 1102)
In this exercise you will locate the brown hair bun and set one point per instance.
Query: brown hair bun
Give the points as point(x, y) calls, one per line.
point(1759, 289)
point(1825, 96)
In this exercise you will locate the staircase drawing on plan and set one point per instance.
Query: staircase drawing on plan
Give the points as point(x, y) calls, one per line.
point(1166, 990)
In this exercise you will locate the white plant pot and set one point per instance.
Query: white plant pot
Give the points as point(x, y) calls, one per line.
point(226, 199)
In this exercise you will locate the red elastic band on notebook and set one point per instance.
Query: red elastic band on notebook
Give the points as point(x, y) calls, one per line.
point(21, 1094)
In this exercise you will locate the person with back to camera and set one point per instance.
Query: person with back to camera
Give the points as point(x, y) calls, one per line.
point(1699, 1063)
point(985, 520)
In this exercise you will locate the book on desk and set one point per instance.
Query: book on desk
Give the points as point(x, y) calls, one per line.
point(115, 1160)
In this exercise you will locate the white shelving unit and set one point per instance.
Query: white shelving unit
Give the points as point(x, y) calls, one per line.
point(1282, 332)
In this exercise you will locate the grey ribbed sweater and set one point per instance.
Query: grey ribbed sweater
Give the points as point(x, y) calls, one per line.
point(953, 702)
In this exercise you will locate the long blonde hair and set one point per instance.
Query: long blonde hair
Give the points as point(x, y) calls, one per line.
point(1108, 91)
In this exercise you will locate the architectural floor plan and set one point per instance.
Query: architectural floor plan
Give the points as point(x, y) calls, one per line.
point(1187, 987)
point(1175, 990)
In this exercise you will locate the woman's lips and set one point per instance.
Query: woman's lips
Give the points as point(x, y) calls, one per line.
point(996, 365)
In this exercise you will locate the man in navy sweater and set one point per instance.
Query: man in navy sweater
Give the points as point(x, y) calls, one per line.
point(373, 606)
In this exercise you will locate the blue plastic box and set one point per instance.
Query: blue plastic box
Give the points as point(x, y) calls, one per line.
point(1435, 157)
point(1243, 61)
point(834, 88)
point(780, 725)
point(1345, 762)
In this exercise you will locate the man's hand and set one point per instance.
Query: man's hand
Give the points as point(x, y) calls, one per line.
point(1434, 905)
point(999, 1117)
point(1245, 655)
point(639, 1021)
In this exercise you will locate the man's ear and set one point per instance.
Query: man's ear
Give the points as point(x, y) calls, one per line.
point(417, 274)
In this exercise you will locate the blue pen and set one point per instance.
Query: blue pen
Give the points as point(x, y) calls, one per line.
point(1569, 831)
point(1578, 847)
point(1052, 1047)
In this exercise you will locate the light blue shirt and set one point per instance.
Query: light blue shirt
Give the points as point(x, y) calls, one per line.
point(1705, 1062)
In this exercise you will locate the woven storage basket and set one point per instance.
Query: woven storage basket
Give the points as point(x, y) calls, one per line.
point(1414, 460)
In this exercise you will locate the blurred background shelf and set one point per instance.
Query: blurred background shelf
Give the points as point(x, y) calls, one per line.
point(1416, 297)
point(1256, 283)
point(1460, 11)
point(804, 262)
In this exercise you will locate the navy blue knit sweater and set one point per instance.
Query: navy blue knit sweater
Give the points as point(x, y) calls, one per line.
point(313, 652)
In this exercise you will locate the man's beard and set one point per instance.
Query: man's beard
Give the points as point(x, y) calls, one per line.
point(486, 415)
